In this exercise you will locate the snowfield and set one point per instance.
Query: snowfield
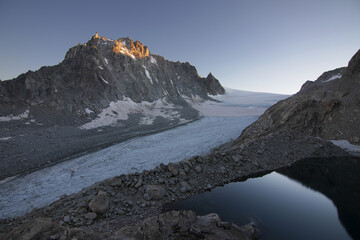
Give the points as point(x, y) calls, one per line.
point(121, 109)
point(348, 147)
point(223, 122)
point(12, 117)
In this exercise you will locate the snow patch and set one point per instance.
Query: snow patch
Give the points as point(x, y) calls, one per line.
point(88, 111)
point(104, 80)
point(172, 83)
point(97, 61)
point(11, 117)
point(121, 109)
point(106, 61)
point(148, 74)
point(101, 67)
point(333, 78)
point(347, 146)
point(153, 60)
point(5, 138)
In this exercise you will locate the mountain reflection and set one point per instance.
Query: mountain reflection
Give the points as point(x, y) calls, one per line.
point(336, 178)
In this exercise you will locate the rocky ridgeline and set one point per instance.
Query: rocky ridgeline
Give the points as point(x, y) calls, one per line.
point(101, 71)
point(328, 108)
point(107, 207)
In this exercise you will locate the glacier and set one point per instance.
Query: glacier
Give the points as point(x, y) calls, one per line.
point(234, 111)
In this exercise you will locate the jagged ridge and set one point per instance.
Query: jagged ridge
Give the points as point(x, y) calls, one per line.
point(103, 70)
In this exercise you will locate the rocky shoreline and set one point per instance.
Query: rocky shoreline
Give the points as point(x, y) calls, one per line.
point(108, 207)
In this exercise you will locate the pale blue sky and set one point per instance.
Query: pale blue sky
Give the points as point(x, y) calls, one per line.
point(258, 45)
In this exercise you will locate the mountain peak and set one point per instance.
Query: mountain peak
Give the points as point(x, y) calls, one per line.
point(131, 48)
point(125, 46)
point(210, 75)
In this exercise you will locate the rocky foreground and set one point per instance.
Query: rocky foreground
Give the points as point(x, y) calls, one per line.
point(131, 206)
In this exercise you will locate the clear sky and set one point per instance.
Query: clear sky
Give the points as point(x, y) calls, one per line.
point(258, 45)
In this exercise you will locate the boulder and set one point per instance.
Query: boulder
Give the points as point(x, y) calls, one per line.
point(198, 169)
point(114, 182)
point(154, 192)
point(185, 187)
point(100, 203)
point(90, 215)
point(173, 168)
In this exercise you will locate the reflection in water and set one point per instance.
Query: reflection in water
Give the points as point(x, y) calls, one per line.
point(286, 209)
point(339, 180)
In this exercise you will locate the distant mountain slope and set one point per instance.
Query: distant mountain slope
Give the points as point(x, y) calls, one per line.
point(327, 108)
point(103, 71)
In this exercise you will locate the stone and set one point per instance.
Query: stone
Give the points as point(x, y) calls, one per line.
point(114, 182)
point(208, 219)
point(100, 203)
point(249, 230)
point(66, 219)
point(236, 158)
point(182, 174)
point(139, 183)
point(198, 169)
point(90, 215)
point(225, 225)
point(173, 168)
point(185, 186)
point(154, 192)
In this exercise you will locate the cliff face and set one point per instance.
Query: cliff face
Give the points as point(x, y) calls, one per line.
point(327, 108)
point(101, 71)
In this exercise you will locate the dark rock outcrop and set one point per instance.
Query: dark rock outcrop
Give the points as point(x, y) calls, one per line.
point(327, 108)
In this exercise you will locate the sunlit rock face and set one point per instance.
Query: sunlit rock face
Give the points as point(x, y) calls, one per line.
point(130, 48)
point(102, 71)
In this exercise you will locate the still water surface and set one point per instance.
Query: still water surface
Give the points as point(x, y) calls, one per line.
point(283, 208)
